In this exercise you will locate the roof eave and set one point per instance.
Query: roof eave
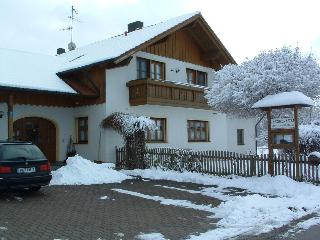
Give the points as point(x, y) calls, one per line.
point(17, 89)
point(85, 66)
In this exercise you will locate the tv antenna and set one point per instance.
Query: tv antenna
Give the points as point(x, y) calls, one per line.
point(71, 45)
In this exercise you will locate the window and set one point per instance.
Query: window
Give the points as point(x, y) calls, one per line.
point(82, 129)
point(240, 136)
point(150, 69)
point(159, 134)
point(197, 77)
point(280, 138)
point(142, 68)
point(198, 131)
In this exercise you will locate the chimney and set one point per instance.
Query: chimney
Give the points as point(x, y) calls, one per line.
point(135, 26)
point(60, 51)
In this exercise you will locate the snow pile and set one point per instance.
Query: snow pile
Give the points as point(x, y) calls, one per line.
point(284, 99)
point(269, 202)
point(80, 171)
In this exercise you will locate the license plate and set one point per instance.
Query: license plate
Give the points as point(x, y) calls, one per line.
point(26, 170)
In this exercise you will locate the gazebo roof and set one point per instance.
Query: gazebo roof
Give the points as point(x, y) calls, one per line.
point(284, 99)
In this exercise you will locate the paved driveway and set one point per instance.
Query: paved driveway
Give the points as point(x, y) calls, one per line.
point(77, 212)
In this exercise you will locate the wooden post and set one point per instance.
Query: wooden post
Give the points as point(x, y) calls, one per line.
point(296, 142)
point(270, 147)
point(10, 117)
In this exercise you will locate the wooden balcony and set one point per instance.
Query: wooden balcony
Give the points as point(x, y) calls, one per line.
point(166, 93)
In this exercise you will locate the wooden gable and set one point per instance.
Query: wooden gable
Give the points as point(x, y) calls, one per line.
point(194, 43)
point(181, 46)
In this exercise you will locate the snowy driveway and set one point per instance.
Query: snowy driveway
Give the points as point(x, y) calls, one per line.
point(103, 211)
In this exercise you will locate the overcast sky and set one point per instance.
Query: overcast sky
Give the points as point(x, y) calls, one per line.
point(245, 27)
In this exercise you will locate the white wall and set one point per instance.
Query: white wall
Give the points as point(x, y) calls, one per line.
point(249, 135)
point(175, 69)
point(222, 130)
point(95, 114)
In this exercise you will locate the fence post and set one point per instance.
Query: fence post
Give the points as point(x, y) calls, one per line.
point(117, 157)
point(252, 166)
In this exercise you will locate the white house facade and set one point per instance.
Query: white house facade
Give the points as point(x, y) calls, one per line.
point(161, 72)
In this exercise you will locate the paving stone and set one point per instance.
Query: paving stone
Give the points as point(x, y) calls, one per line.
point(77, 212)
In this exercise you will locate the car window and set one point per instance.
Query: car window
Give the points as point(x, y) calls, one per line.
point(20, 151)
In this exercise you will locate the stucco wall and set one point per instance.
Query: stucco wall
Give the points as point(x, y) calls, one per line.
point(95, 114)
point(249, 135)
point(222, 129)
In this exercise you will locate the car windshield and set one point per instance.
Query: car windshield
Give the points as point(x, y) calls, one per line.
point(20, 152)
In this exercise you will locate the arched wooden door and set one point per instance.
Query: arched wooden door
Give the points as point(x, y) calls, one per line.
point(39, 131)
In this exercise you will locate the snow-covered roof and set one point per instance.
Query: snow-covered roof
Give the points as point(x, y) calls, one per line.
point(116, 46)
point(25, 70)
point(284, 99)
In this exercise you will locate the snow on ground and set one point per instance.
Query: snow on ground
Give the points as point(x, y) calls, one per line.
point(309, 223)
point(270, 202)
point(104, 198)
point(167, 201)
point(80, 171)
point(150, 236)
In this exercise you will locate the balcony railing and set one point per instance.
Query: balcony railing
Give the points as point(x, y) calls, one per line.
point(166, 93)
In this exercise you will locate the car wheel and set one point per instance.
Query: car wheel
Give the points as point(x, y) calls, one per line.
point(34, 189)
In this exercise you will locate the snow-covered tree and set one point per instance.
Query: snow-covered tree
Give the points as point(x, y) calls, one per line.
point(309, 137)
point(133, 129)
point(237, 87)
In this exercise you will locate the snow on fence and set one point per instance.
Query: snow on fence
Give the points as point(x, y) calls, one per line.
point(225, 163)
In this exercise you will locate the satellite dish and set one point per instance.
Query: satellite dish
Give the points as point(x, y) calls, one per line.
point(71, 46)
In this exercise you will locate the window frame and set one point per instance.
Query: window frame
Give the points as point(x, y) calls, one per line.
point(149, 69)
point(86, 129)
point(240, 141)
point(207, 131)
point(195, 74)
point(164, 140)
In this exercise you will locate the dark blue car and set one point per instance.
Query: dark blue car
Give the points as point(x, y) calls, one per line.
point(23, 166)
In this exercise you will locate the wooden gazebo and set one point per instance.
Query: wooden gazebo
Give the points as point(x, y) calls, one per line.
point(283, 133)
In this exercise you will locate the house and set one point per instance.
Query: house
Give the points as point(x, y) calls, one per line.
point(160, 71)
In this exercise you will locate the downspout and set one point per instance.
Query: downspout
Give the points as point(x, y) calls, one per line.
point(256, 132)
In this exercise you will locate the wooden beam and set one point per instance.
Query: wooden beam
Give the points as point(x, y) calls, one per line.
point(10, 117)
point(270, 145)
point(296, 142)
